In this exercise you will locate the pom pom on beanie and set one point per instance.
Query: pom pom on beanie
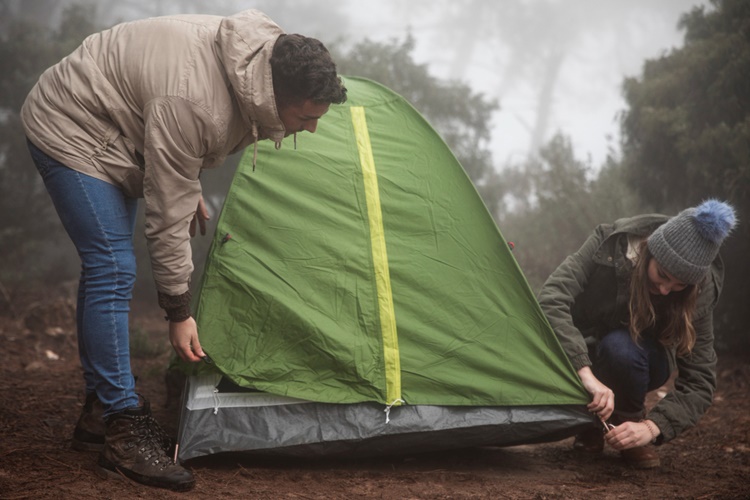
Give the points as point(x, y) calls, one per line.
point(714, 220)
point(687, 243)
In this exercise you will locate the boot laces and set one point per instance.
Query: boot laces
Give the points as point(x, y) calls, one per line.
point(160, 434)
point(150, 441)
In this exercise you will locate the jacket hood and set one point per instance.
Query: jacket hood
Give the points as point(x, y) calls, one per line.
point(640, 225)
point(245, 43)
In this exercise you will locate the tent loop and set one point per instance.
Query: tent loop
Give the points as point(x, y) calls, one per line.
point(216, 400)
point(387, 409)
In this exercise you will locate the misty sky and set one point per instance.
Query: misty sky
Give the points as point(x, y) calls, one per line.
point(587, 94)
point(501, 48)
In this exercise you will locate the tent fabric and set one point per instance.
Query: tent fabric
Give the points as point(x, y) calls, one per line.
point(363, 266)
point(265, 424)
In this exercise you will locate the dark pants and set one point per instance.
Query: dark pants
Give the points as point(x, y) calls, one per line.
point(630, 370)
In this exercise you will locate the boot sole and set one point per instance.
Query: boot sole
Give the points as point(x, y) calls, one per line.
point(86, 446)
point(107, 470)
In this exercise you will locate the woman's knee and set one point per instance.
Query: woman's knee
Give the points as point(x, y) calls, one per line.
point(618, 349)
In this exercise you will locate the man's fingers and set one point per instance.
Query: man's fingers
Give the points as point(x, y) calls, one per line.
point(197, 350)
point(201, 214)
point(202, 209)
point(188, 354)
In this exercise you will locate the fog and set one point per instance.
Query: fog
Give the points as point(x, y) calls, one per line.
point(594, 45)
point(552, 65)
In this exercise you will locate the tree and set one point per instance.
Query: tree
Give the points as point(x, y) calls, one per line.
point(686, 135)
point(556, 202)
point(528, 46)
point(30, 229)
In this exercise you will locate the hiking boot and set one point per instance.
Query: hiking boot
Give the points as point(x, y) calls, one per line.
point(89, 432)
point(589, 441)
point(643, 457)
point(134, 449)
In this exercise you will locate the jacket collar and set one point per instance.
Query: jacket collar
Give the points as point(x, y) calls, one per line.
point(641, 226)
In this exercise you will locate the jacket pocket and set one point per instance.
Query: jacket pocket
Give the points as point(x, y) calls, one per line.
point(118, 159)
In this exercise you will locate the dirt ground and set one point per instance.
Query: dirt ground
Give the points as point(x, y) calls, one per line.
point(41, 396)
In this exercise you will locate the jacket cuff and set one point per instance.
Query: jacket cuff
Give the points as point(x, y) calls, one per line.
point(580, 361)
point(177, 307)
point(667, 431)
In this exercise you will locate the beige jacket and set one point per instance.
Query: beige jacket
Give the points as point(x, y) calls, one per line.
point(148, 104)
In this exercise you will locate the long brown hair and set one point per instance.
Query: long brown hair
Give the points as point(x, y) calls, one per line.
point(670, 316)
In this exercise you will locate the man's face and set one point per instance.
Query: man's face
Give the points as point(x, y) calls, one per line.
point(302, 116)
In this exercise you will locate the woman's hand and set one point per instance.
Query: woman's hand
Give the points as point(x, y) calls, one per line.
point(201, 216)
point(602, 398)
point(632, 435)
point(183, 336)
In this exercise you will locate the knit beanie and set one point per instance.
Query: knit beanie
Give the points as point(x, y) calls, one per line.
point(687, 243)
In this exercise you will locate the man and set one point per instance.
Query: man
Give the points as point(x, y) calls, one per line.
point(137, 111)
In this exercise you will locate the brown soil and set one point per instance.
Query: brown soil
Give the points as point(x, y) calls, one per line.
point(41, 396)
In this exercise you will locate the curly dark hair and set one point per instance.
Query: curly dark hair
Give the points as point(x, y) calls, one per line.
point(302, 69)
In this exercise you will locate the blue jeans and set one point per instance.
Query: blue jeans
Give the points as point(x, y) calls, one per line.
point(100, 220)
point(630, 370)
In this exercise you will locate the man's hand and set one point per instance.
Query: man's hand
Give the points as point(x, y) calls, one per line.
point(201, 215)
point(602, 398)
point(183, 336)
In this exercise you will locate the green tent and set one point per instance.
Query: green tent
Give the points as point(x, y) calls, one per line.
point(361, 269)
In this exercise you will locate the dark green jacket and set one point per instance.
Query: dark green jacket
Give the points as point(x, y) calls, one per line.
point(587, 297)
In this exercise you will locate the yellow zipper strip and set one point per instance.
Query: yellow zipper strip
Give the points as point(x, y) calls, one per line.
point(380, 259)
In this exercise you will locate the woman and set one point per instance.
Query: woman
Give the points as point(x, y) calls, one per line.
point(631, 306)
